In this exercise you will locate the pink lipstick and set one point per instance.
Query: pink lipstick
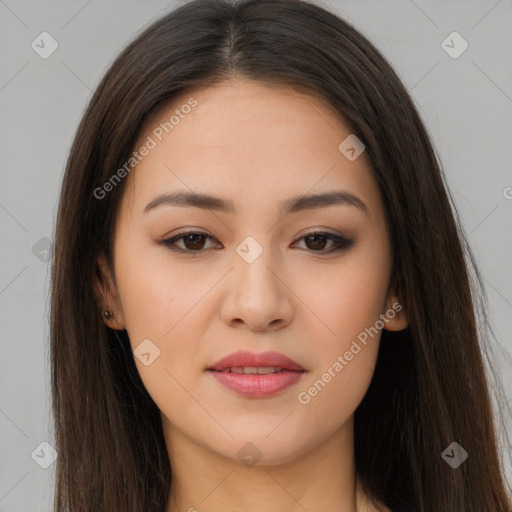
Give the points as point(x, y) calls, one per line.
point(256, 375)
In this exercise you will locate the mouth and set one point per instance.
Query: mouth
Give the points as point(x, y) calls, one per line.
point(244, 361)
point(256, 375)
point(256, 370)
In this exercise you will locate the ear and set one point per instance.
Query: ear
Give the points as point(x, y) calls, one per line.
point(395, 316)
point(107, 295)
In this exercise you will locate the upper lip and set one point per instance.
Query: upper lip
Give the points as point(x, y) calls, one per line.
point(253, 359)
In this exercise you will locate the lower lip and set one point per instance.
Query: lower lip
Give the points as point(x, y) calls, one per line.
point(255, 385)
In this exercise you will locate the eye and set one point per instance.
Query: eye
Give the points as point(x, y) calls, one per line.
point(194, 242)
point(316, 241)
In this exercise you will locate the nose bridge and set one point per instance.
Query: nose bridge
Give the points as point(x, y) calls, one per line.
point(258, 297)
point(254, 263)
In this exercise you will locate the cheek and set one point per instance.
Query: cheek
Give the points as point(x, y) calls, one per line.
point(350, 298)
point(152, 308)
point(165, 316)
point(330, 397)
point(344, 365)
point(349, 303)
point(161, 321)
point(155, 295)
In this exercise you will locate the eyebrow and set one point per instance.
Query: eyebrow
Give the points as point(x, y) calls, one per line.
point(291, 205)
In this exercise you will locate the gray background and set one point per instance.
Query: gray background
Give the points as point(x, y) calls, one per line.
point(466, 103)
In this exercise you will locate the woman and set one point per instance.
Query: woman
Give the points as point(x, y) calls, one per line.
point(260, 295)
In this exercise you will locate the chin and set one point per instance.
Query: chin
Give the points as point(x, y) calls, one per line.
point(262, 449)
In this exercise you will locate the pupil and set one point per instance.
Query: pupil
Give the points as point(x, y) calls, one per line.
point(315, 238)
point(195, 244)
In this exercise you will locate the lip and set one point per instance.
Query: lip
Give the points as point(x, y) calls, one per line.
point(257, 385)
point(246, 358)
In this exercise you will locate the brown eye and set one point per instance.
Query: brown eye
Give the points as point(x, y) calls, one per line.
point(192, 242)
point(317, 241)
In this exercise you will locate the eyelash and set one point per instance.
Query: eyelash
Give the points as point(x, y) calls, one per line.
point(341, 242)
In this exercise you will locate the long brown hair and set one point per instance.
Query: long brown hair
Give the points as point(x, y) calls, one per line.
point(430, 386)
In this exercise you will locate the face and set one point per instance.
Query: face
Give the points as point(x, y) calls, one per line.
point(307, 279)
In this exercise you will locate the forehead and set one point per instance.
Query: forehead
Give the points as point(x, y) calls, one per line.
point(250, 143)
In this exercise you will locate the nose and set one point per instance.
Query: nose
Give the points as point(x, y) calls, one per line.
point(257, 295)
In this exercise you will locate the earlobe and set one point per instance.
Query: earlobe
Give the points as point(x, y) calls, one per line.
point(107, 297)
point(110, 320)
point(395, 317)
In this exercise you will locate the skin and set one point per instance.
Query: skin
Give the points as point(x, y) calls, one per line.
point(255, 145)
